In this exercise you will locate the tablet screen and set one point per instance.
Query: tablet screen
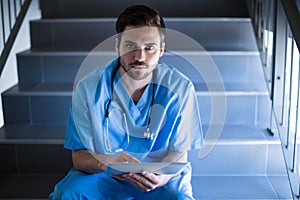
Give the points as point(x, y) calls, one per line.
point(156, 167)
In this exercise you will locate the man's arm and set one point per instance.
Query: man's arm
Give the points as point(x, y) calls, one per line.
point(86, 161)
point(175, 157)
point(149, 181)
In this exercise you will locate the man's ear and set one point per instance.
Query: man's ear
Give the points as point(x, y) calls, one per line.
point(162, 49)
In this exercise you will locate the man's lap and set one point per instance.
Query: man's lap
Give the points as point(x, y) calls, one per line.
point(79, 185)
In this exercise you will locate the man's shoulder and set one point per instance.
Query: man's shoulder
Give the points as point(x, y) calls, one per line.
point(93, 76)
point(172, 74)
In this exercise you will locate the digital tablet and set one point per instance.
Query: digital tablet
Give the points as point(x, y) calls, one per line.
point(156, 167)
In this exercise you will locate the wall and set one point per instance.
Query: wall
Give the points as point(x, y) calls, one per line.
point(9, 75)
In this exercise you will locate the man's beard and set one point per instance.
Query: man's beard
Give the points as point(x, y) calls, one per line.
point(134, 74)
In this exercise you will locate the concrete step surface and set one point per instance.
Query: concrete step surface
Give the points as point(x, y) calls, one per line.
point(107, 8)
point(212, 34)
point(50, 66)
point(245, 103)
point(39, 186)
point(227, 157)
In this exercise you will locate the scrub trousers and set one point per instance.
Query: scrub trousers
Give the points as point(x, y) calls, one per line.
point(82, 186)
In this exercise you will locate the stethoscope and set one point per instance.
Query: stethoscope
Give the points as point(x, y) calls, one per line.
point(147, 134)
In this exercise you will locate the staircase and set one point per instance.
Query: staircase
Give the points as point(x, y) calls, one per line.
point(245, 163)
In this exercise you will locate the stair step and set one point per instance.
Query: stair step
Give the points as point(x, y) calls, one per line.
point(27, 186)
point(107, 8)
point(39, 186)
point(221, 34)
point(243, 156)
point(34, 158)
point(32, 134)
point(54, 134)
point(241, 187)
point(239, 150)
point(35, 66)
point(263, 152)
point(37, 104)
point(245, 88)
point(245, 103)
point(33, 149)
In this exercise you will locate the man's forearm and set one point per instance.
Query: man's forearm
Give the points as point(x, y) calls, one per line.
point(175, 157)
point(85, 161)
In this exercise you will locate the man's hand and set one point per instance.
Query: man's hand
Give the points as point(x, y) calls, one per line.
point(147, 180)
point(124, 157)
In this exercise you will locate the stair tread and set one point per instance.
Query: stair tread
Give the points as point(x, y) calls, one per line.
point(51, 133)
point(246, 88)
point(41, 89)
point(166, 19)
point(212, 34)
point(241, 187)
point(55, 51)
point(32, 134)
point(251, 87)
point(190, 8)
point(241, 134)
point(204, 187)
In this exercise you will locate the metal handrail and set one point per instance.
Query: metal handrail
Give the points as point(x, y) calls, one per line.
point(285, 28)
point(293, 17)
point(13, 28)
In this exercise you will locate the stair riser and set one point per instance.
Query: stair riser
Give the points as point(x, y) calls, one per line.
point(228, 159)
point(234, 35)
point(25, 109)
point(41, 109)
point(34, 158)
point(63, 68)
point(107, 8)
point(240, 109)
point(241, 187)
point(239, 159)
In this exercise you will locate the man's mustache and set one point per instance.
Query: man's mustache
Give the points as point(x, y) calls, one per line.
point(137, 63)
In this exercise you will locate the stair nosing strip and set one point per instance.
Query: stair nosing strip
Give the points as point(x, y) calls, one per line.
point(198, 93)
point(232, 93)
point(41, 93)
point(169, 52)
point(166, 19)
point(229, 142)
point(33, 141)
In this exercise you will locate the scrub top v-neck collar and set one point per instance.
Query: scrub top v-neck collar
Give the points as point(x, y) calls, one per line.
point(139, 112)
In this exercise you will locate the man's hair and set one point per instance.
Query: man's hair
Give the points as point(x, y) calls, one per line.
point(140, 16)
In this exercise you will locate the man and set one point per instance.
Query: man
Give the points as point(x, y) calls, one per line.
point(133, 109)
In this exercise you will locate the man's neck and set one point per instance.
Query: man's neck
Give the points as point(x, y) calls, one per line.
point(134, 88)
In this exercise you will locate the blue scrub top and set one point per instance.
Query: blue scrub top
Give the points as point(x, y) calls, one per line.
point(175, 122)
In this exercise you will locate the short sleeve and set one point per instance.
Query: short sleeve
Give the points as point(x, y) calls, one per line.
point(72, 139)
point(188, 132)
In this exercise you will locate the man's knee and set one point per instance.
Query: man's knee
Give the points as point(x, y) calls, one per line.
point(68, 194)
point(75, 185)
point(64, 195)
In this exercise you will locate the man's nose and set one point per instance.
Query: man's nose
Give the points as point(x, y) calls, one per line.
point(140, 55)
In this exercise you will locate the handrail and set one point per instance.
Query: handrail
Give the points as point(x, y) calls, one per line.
point(278, 39)
point(293, 17)
point(8, 44)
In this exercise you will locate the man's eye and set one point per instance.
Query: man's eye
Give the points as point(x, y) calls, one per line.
point(150, 48)
point(131, 46)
